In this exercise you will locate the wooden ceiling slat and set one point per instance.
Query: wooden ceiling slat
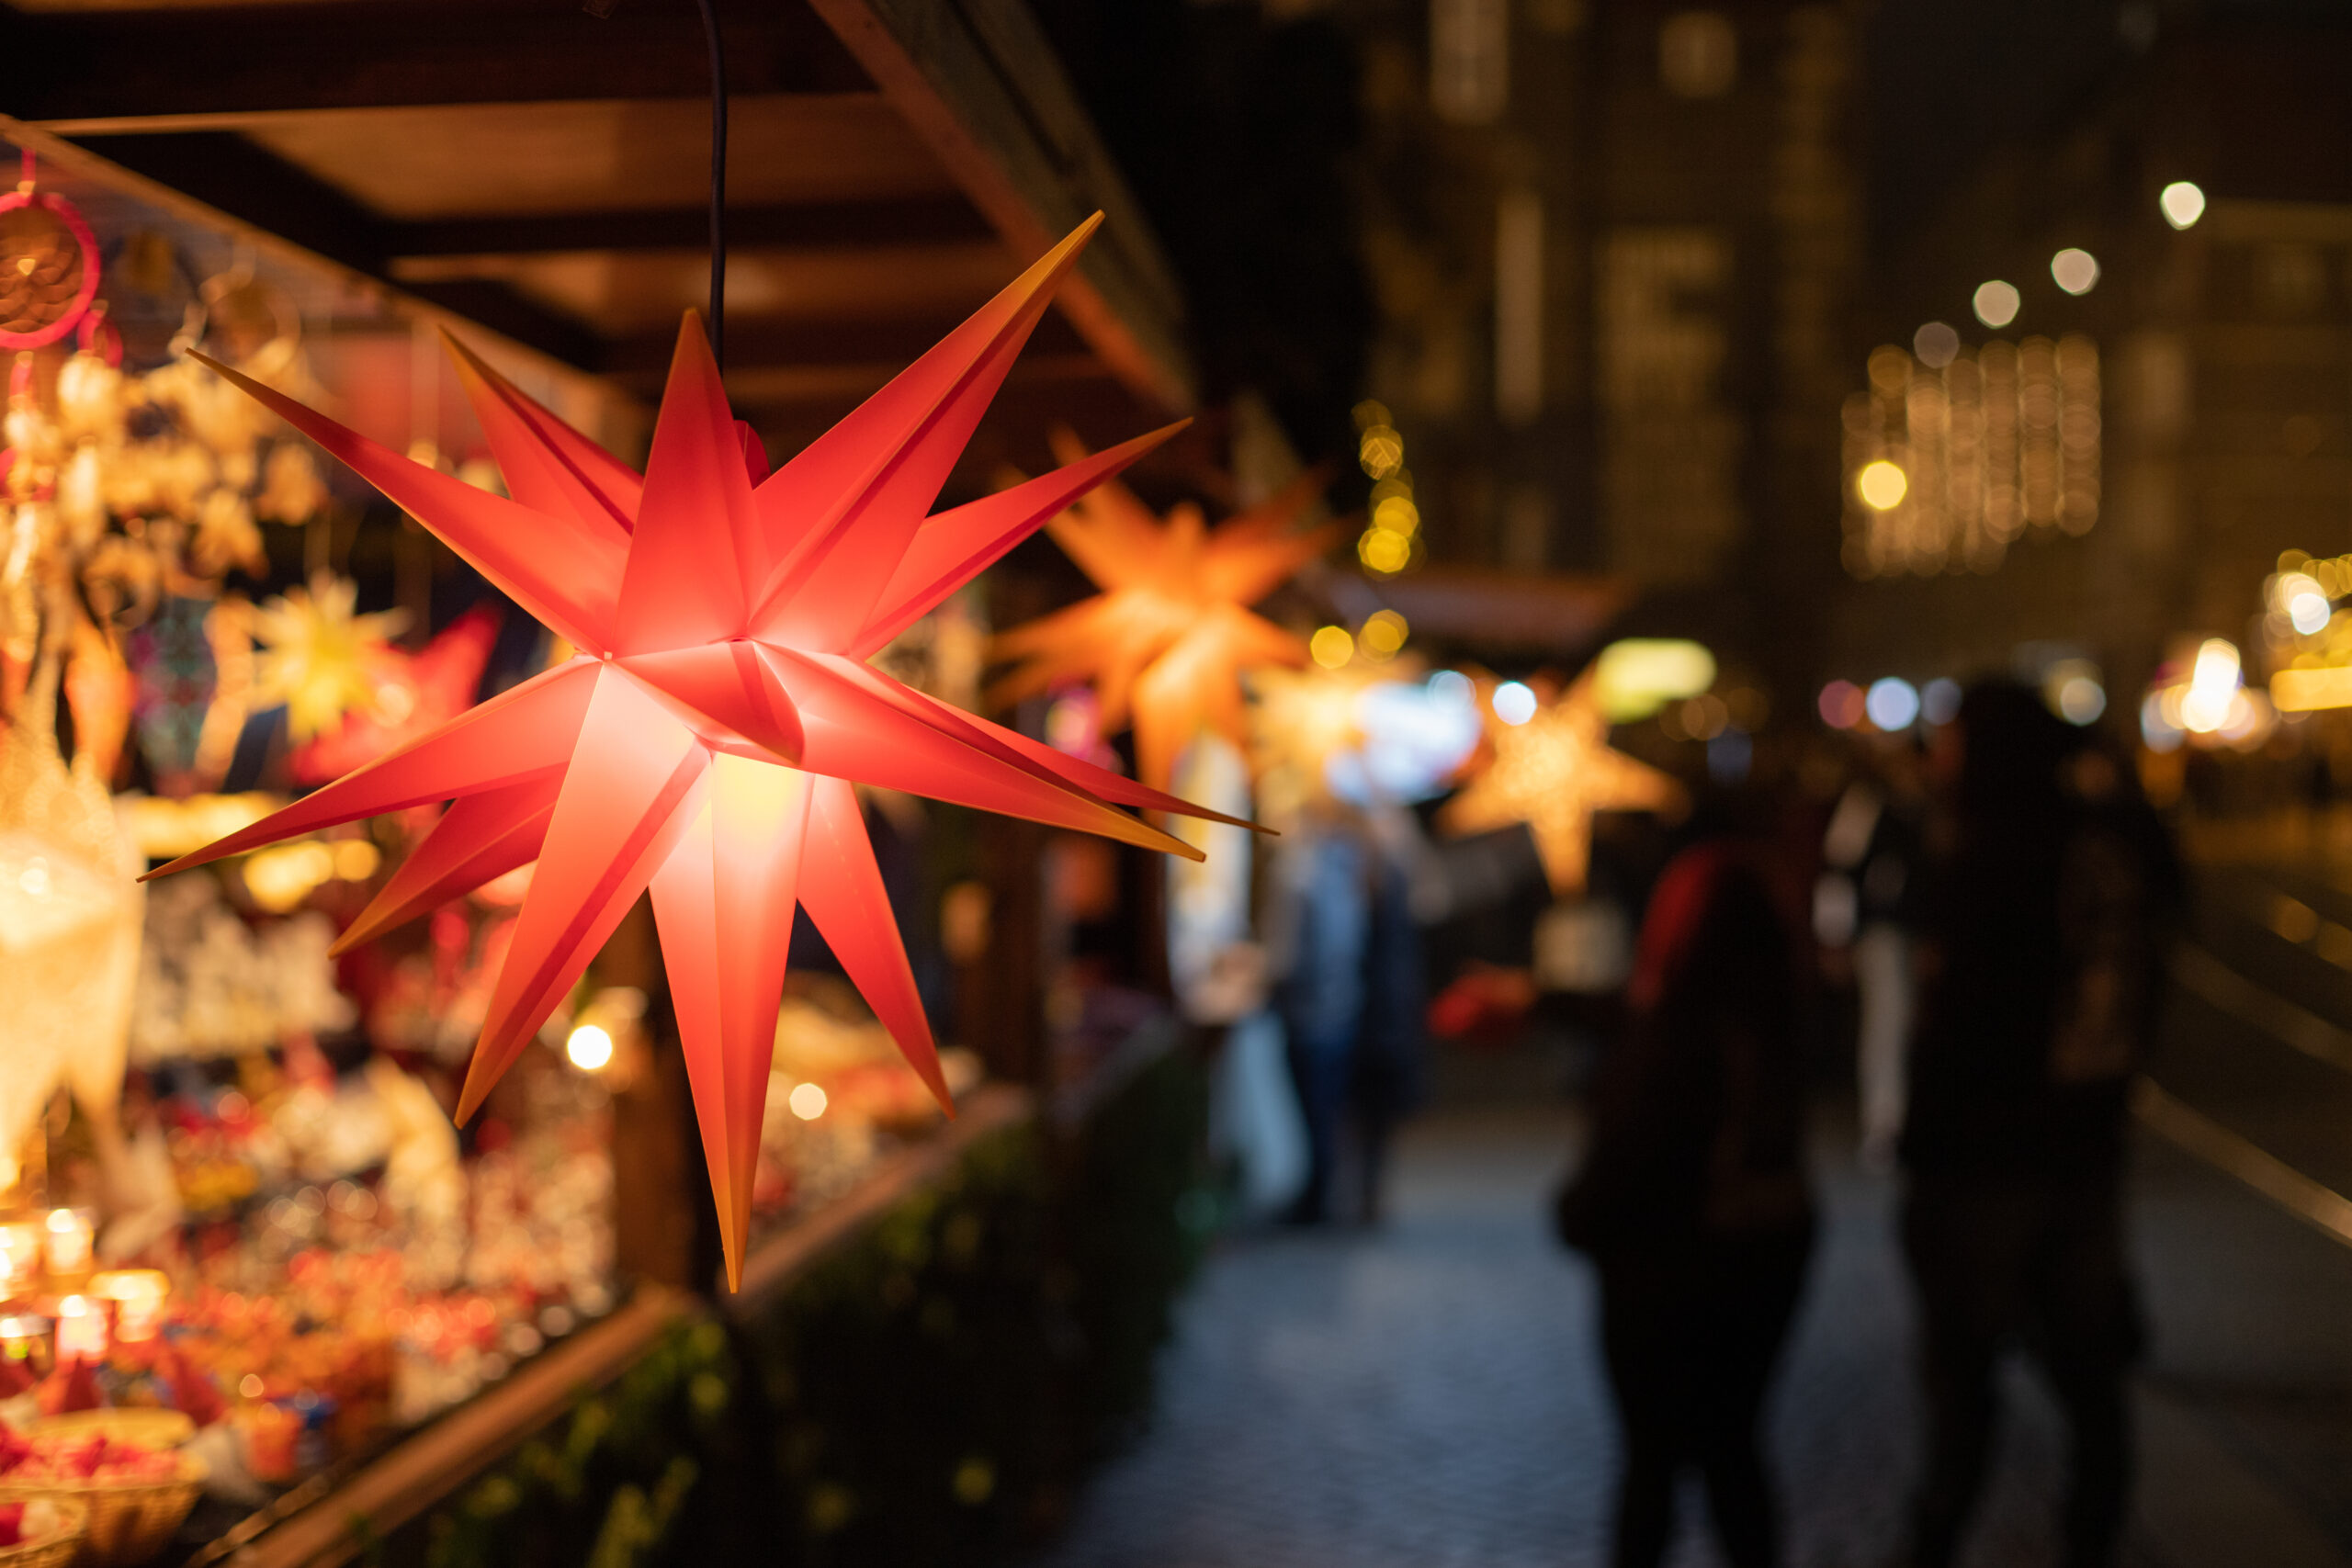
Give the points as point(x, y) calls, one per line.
point(820, 225)
point(105, 66)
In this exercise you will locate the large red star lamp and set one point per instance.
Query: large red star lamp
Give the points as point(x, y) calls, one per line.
point(704, 738)
point(1171, 631)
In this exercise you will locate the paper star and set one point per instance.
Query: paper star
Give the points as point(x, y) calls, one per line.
point(411, 694)
point(704, 742)
point(1552, 774)
point(318, 658)
point(1171, 632)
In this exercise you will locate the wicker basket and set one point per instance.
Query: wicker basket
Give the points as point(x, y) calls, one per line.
point(128, 1521)
point(56, 1551)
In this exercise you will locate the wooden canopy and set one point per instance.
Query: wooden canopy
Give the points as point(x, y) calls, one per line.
point(542, 171)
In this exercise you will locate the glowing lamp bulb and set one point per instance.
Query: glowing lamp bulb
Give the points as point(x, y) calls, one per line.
point(590, 1047)
point(807, 1102)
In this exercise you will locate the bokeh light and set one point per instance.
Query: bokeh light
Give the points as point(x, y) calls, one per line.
point(2076, 271)
point(1452, 687)
point(1937, 345)
point(1384, 633)
point(1514, 702)
point(1841, 705)
point(1997, 303)
point(1331, 647)
point(807, 1102)
point(2182, 204)
point(1882, 485)
point(1892, 703)
point(1939, 700)
point(1384, 550)
point(2304, 602)
point(2212, 682)
point(590, 1046)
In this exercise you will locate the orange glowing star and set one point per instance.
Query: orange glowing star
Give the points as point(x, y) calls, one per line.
point(704, 740)
point(1553, 772)
point(1171, 632)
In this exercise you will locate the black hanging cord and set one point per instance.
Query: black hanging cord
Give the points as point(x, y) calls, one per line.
point(716, 326)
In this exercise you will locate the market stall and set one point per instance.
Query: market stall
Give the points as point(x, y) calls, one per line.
point(264, 1303)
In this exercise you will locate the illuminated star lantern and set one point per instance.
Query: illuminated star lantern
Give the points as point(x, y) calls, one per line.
point(1166, 640)
point(413, 693)
point(1553, 772)
point(704, 739)
point(318, 658)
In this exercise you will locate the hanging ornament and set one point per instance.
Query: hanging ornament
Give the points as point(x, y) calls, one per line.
point(411, 694)
point(1554, 772)
point(49, 266)
point(704, 739)
point(318, 656)
point(1170, 635)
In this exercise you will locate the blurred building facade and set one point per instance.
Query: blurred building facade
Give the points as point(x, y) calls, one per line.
point(1611, 248)
point(2212, 362)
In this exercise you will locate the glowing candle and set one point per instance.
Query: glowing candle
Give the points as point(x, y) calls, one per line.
point(70, 1234)
point(81, 1330)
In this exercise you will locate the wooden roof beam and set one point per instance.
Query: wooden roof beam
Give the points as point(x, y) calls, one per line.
point(978, 81)
point(827, 225)
point(93, 72)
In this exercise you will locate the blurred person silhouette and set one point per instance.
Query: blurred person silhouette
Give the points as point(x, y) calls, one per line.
point(2049, 891)
point(1691, 1200)
point(1864, 902)
point(1347, 953)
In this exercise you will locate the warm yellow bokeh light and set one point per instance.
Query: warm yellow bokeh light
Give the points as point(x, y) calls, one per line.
point(807, 1102)
point(356, 860)
point(1882, 485)
point(1332, 647)
point(2076, 271)
point(590, 1047)
point(1997, 303)
point(282, 877)
point(2183, 204)
point(1384, 633)
point(1384, 550)
point(1397, 514)
point(1381, 451)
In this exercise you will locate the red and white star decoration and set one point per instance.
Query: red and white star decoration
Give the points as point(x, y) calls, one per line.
point(704, 740)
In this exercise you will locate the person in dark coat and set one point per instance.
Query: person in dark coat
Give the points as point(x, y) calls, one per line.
point(2043, 926)
point(1692, 1203)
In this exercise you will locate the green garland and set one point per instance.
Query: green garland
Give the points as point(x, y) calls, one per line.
point(931, 1392)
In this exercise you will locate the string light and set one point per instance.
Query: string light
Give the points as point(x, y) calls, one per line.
point(1387, 544)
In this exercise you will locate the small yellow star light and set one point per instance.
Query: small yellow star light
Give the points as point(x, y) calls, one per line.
point(320, 657)
point(1552, 772)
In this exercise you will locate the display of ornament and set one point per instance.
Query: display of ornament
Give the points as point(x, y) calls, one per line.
point(1165, 642)
point(1554, 772)
point(704, 740)
point(70, 915)
point(49, 266)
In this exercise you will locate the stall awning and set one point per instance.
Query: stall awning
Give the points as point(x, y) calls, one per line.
point(543, 171)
